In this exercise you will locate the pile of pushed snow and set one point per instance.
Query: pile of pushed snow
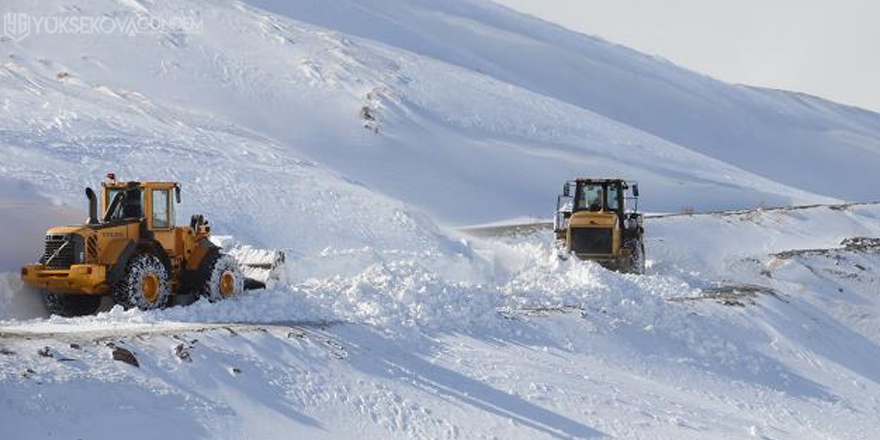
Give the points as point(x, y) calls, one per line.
point(548, 282)
point(400, 293)
point(396, 296)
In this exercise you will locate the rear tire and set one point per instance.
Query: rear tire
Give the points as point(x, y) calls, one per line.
point(220, 278)
point(144, 285)
point(636, 262)
point(70, 306)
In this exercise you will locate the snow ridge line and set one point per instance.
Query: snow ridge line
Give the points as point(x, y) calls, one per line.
point(528, 228)
point(28, 332)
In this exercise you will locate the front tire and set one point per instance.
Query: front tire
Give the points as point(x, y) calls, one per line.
point(220, 278)
point(636, 260)
point(70, 306)
point(144, 285)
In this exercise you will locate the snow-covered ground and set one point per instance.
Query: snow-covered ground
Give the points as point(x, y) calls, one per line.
point(348, 134)
point(744, 341)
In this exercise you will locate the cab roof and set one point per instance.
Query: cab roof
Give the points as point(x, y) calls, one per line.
point(120, 184)
point(600, 180)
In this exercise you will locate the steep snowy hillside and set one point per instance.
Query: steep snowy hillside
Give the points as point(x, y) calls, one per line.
point(61, 134)
point(795, 139)
point(438, 127)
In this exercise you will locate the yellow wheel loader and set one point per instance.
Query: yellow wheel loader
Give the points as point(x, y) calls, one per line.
point(592, 222)
point(133, 252)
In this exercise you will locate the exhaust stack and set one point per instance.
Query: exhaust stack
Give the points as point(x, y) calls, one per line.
point(93, 206)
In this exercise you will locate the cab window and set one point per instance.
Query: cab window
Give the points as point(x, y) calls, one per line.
point(111, 194)
point(131, 207)
point(161, 209)
point(613, 194)
point(590, 197)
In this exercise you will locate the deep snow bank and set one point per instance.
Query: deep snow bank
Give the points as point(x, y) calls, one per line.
point(25, 214)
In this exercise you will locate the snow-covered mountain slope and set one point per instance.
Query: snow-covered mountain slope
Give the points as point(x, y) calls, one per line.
point(547, 349)
point(445, 130)
point(60, 135)
point(795, 139)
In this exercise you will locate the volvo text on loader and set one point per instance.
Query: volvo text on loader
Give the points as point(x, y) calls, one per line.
point(133, 252)
point(592, 222)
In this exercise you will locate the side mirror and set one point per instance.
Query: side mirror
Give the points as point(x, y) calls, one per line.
point(566, 190)
point(177, 193)
point(636, 190)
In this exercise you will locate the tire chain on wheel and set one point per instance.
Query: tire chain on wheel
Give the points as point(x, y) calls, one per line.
point(208, 280)
point(72, 305)
point(127, 291)
point(637, 256)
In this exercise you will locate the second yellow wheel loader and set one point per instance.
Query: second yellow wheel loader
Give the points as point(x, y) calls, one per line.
point(132, 252)
point(593, 222)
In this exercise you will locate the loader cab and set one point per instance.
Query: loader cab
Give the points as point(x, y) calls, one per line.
point(608, 196)
point(129, 207)
point(598, 196)
point(148, 211)
point(153, 202)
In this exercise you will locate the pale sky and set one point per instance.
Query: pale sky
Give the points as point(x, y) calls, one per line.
point(829, 48)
